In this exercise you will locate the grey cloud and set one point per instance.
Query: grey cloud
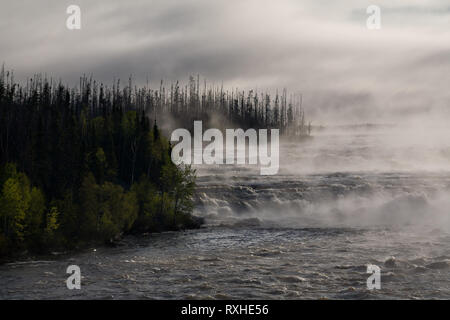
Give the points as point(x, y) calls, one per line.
point(320, 48)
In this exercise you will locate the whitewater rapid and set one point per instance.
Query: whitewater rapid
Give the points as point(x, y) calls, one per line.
point(346, 198)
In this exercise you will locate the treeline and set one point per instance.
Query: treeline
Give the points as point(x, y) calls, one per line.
point(178, 106)
point(81, 165)
point(219, 108)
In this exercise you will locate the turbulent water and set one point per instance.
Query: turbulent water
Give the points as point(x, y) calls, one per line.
point(349, 197)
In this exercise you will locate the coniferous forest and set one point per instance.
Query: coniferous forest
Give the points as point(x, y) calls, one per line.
point(89, 163)
point(83, 166)
point(221, 108)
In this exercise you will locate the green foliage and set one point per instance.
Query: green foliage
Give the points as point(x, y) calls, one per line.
point(14, 204)
point(77, 168)
point(35, 218)
point(51, 223)
point(179, 183)
point(21, 209)
point(108, 209)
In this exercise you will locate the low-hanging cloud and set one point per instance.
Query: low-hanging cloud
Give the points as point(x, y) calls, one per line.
point(320, 48)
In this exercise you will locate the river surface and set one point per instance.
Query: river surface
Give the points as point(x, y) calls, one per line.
point(348, 197)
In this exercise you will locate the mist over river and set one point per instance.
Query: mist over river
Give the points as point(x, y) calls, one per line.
point(348, 197)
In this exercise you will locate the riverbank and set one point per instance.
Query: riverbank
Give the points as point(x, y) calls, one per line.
point(22, 257)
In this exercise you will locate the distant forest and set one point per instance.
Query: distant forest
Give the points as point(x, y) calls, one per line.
point(220, 108)
point(178, 106)
point(90, 163)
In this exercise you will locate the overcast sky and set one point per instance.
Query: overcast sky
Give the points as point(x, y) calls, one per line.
point(321, 48)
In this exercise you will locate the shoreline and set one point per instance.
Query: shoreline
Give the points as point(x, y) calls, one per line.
point(197, 223)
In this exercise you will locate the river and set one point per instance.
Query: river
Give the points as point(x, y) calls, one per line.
point(348, 197)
